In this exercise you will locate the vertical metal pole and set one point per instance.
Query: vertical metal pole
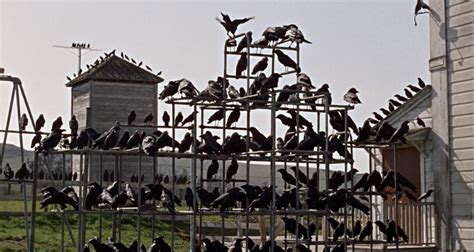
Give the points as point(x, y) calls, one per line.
point(326, 163)
point(79, 57)
point(100, 210)
point(7, 126)
point(139, 209)
point(173, 176)
point(396, 194)
point(33, 202)
point(62, 212)
point(273, 172)
point(18, 111)
point(193, 182)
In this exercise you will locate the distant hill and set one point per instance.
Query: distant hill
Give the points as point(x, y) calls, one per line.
point(13, 156)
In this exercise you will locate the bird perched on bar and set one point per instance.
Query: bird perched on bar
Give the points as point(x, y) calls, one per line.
point(301, 175)
point(286, 61)
point(217, 116)
point(189, 118)
point(73, 125)
point(232, 92)
point(178, 119)
point(261, 65)
point(148, 118)
point(169, 90)
point(425, 195)
point(233, 117)
point(57, 123)
point(300, 119)
point(100, 246)
point(270, 82)
point(212, 169)
point(159, 245)
point(166, 119)
point(418, 7)
point(294, 34)
point(67, 196)
point(244, 42)
point(400, 132)
point(51, 141)
point(288, 178)
point(186, 143)
point(231, 25)
point(23, 122)
point(36, 140)
point(187, 88)
point(351, 96)
point(232, 169)
point(241, 65)
point(39, 123)
point(366, 231)
point(22, 173)
point(209, 144)
point(274, 33)
point(303, 80)
point(131, 117)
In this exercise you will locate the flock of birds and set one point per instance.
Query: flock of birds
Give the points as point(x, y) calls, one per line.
point(115, 195)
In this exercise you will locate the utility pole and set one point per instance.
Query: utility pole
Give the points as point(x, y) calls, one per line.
point(80, 47)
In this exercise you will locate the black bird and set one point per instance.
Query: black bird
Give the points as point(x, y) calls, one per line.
point(286, 120)
point(167, 202)
point(22, 173)
point(274, 33)
point(186, 143)
point(351, 96)
point(100, 246)
point(178, 119)
point(8, 172)
point(36, 140)
point(382, 227)
point(408, 93)
point(166, 119)
point(187, 88)
point(270, 82)
point(23, 122)
point(242, 92)
point(148, 118)
point(401, 98)
point(365, 132)
point(385, 131)
point(325, 89)
point(51, 141)
point(339, 231)
point(232, 169)
point(367, 231)
point(232, 25)
point(217, 116)
point(131, 117)
point(261, 65)
point(303, 80)
point(236, 245)
point(257, 84)
point(209, 144)
point(400, 132)
point(170, 89)
point(361, 182)
point(212, 169)
point(391, 107)
point(122, 142)
point(284, 95)
point(389, 180)
point(420, 122)
point(110, 141)
point(241, 64)
point(356, 229)
point(261, 42)
point(288, 178)
point(287, 61)
point(420, 5)
point(302, 248)
point(301, 175)
point(134, 140)
point(294, 34)
point(73, 125)
point(395, 103)
point(189, 198)
point(301, 120)
point(425, 195)
point(67, 196)
point(159, 245)
point(385, 112)
point(57, 123)
point(395, 231)
point(291, 225)
point(189, 118)
point(243, 42)
point(233, 117)
point(39, 123)
point(232, 92)
point(421, 83)
point(260, 139)
point(413, 88)
point(374, 179)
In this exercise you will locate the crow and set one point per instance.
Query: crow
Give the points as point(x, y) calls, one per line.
point(73, 125)
point(270, 82)
point(361, 182)
point(122, 142)
point(400, 132)
point(257, 84)
point(159, 245)
point(286, 61)
point(351, 96)
point(378, 116)
point(274, 33)
point(374, 179)
point(395, 231)
point(302, 248)
point(22, 173)
point(233, 116)
point(425, 195)
point(189, 198)
point(36, 140)
point(303, 80)
point(51, 141)
point(232, 92)
point(413, 88)
point(260, 66)
point(288, 178)
point(260, 139)
point(67, 196)
point(236, 245)
point(294, 34)
point(209, 144)
point(291, 225)
point(212, 169)
point(186, 143)
point(382, 227)
point(149, 145)
point(356, 229)
point(395, 103)
point(420, 122)
point(385, 131)
point(39, 123)
point(420, 5)
point(231, 25)
point(100, 246)
point(187, 88)
point(134, 140)
point(286, 120)
point(367, 231)
point(166, 119)
point(244, 42)
point(408, 93)
point(301, 175)
point(217, 116)
point(385, 112)
point(57, 123)
point(23, 122)
point(261, 42)
point(421, 83)
point(391, 107)
point(148, 118)
point(189, 118)
point(232, 169)
point(364, 132)
point(110, 140)
point(301, 120)
point(401, 98)
point(170, 89)
point(167, 202)
point(131, 117)
point(241, 64)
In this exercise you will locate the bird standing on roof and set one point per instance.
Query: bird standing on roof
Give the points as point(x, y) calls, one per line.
point(231, 25)
point(351, 96)
point(420, 122)
point(148, 118)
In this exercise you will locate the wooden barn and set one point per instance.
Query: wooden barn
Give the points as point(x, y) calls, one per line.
point(107, 93)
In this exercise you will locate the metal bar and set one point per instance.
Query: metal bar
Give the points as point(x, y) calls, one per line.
point(10, 108)
point(33, 203)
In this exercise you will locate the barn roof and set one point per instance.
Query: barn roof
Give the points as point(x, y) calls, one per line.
point(115, 69)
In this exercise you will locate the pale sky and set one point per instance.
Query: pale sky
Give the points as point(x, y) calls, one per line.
point(371, 45)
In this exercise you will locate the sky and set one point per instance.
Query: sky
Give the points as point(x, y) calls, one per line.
point(370, 45)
